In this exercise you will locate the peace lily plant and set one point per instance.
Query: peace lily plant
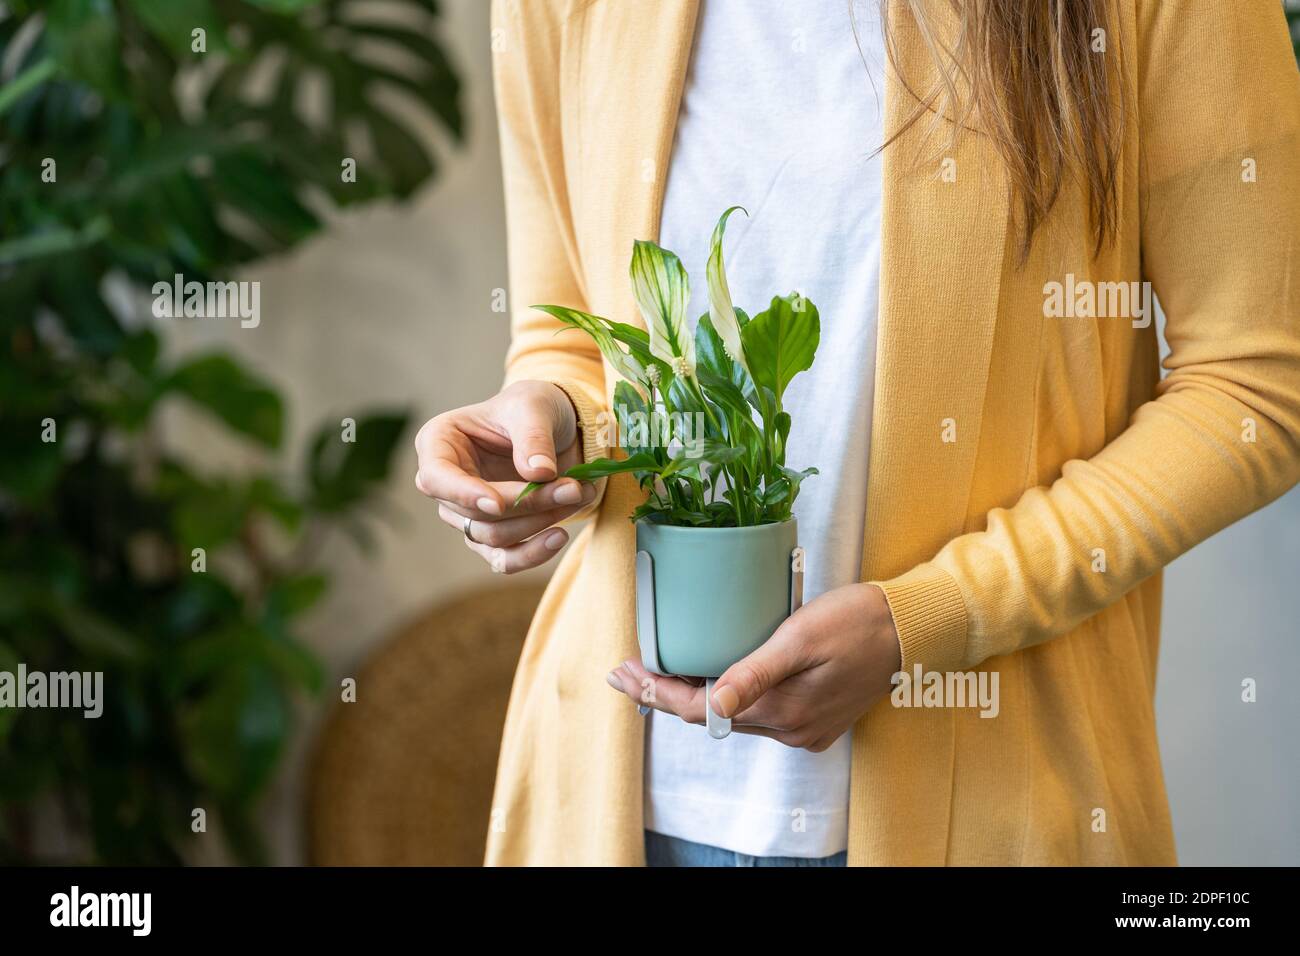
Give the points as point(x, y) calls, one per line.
point(700, 418)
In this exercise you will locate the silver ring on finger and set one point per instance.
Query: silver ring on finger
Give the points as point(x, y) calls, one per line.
point(465, 530)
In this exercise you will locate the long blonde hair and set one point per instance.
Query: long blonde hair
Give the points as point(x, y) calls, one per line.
point(1025, 73)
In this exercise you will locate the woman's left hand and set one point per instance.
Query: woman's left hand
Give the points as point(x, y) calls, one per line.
point(825, 665)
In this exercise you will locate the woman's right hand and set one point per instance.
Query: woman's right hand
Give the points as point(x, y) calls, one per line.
point(475, 460)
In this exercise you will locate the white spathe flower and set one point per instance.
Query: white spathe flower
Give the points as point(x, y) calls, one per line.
point(721, 311)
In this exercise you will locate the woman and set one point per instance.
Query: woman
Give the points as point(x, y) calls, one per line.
point(997, 499)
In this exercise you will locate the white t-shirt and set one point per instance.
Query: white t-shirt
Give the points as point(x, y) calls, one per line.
point(780, 114)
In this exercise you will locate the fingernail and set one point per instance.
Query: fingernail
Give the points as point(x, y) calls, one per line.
point(725, 700)
point(488, 505)
point(541, 461)
point(555, 540)
point(642, 709)
point(612, 680)
point(568, 494)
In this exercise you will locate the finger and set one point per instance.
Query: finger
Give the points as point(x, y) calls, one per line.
point(535, 551)
point(672, 695)
point(645, 690)
point(504, 532)
point(744, 682)
point(441, 475)
point(621, 679)
point(565, 492)
point(684, 697)
point(531, 428)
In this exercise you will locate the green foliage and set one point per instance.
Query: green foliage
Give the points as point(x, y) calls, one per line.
point(1293, 20)
point(700, 421)
point(129, 155)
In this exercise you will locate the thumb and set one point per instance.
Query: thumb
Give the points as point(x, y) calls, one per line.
point(531, 426)
point(745, 681)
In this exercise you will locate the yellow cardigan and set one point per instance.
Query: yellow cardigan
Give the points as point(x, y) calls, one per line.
point(1031, 544)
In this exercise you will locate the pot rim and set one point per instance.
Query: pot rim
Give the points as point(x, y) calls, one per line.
point(687, 529)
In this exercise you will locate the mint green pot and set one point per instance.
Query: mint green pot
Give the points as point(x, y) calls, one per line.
point(706, 597)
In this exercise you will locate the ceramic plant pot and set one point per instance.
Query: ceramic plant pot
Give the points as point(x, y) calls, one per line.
point(707, 597)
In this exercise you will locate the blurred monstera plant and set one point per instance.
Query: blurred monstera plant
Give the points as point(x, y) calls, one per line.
point(1292, 8)
point(141, 139)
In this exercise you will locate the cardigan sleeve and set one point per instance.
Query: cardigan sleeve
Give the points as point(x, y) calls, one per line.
point(541, 246)
point(1218, 96)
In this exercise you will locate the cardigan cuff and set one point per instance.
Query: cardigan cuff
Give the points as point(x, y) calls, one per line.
point(930, 615)
point(592, 430)
point(591, 420)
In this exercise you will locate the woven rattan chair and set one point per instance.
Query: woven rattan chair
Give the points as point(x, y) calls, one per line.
point(403, 776)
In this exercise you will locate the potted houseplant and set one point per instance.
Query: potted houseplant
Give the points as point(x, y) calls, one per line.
point(700, 425)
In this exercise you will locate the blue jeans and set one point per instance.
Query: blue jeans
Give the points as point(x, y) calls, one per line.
point(663, 850)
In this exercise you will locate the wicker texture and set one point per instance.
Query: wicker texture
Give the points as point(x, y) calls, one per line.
point(403, 776)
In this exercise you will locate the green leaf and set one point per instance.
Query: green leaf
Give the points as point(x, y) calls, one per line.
point(208, 516)
point(633, 417)
point(794, 479)
point(436, 84)
point(637, 341)
point(284, 6)
point(27, 80)
point(75, 290)
point(52, 241)
point(292, 596)
point(295, 664)
point(343, 473)
point(782, 436)
point(408, 162)
point(781, 342)
point(234, 734)
point(662, 289)
point(683, 398)
point(173, 22)
point(266, 495)
point(600, 468)
point(604, 467)
point(622, 362)
point(711, 352)
point(93, 633)
point(159, 159)
point(265, 192)
point(726, 395)
point(242, 401)
point(30, 468)
point(83, 37)
point(712, 357)
point(140, 350)
point(712, 454)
